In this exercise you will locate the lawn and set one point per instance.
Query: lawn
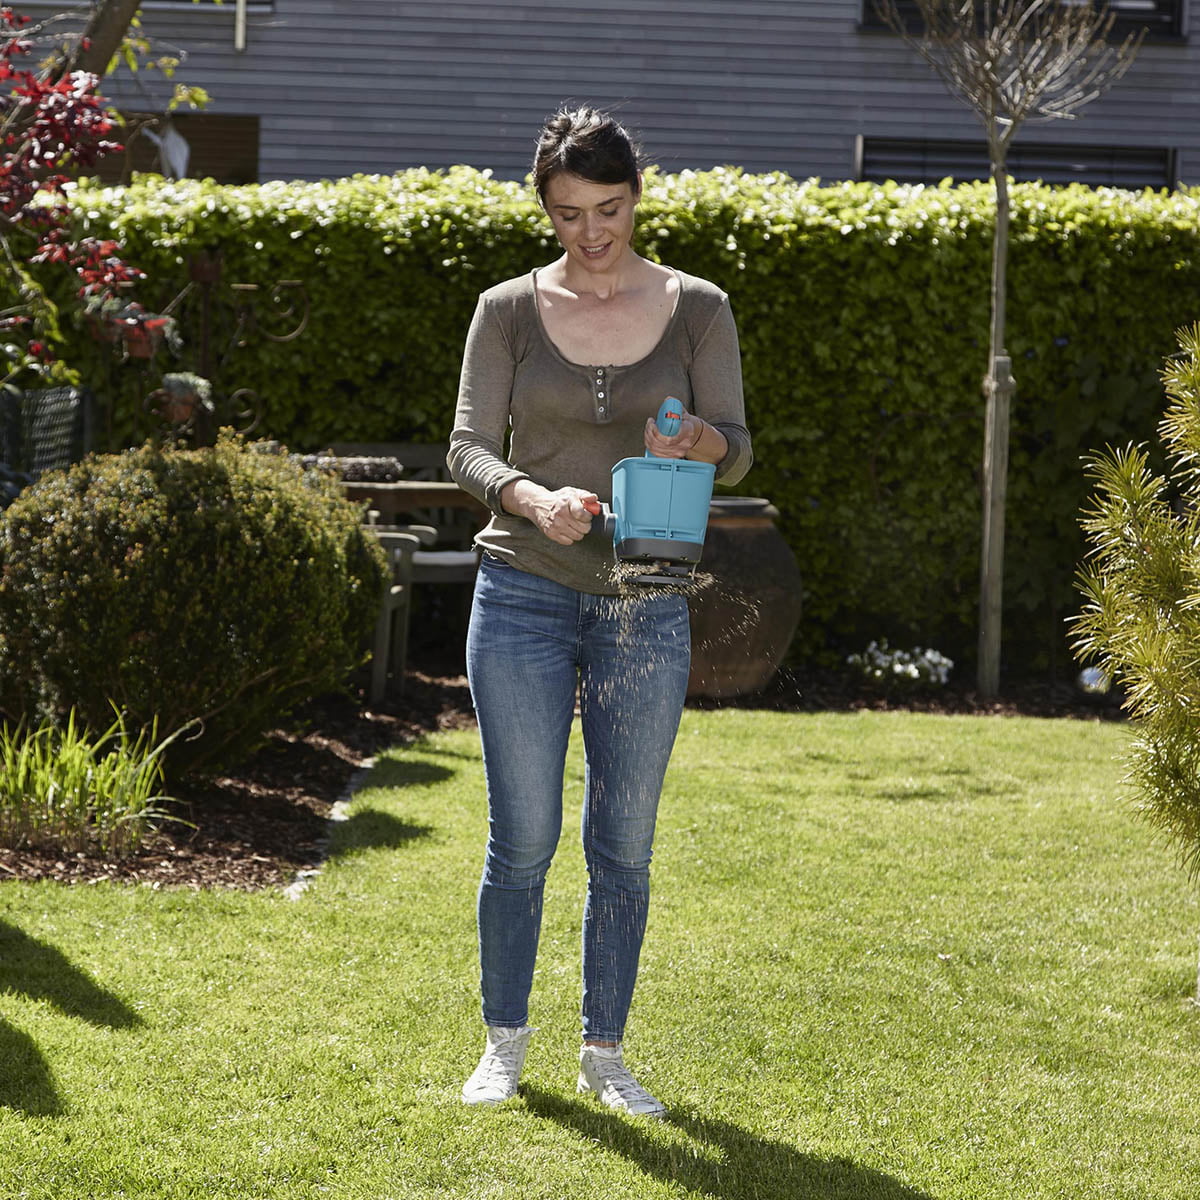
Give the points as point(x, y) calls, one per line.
point(890, 956)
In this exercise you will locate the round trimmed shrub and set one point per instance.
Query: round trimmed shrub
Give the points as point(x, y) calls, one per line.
point(223, 585)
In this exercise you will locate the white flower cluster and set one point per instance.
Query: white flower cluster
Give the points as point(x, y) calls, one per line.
point(880, 663)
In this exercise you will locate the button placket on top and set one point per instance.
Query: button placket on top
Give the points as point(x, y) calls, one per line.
point(600, 395)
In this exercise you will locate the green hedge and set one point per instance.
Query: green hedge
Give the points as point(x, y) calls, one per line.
point(863, 314)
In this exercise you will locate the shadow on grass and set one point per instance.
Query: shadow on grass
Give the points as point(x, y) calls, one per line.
point(373, 830)
point(406, 772)
point(25, 1081)
point(432, 749)
point(41, 972)
point(728, 1163)
point(370, 829)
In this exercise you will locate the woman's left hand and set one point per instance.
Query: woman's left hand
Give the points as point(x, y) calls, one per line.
point(691, 428)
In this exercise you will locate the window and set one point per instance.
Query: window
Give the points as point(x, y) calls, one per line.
point(926, 160)
point(1161, 18)
point(226, 6)
point(224, 148)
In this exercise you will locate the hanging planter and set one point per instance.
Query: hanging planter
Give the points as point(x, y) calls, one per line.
point(103, 331)
point(143, 334)
point(105, 318)
point(139, 342)
point(180, 397)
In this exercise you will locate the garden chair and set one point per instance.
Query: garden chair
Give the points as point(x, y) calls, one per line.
point(389, 646)
point(449, 557)
point(46, 428)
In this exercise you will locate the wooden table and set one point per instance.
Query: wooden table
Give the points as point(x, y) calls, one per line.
point(407, 496)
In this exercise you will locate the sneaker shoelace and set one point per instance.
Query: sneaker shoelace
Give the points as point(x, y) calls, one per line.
point(501, 1062)
point(616, 1075)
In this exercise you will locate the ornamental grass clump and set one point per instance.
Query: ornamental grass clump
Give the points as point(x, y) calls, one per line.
point(1140, 624)
point(222, 586)
point(75, 792)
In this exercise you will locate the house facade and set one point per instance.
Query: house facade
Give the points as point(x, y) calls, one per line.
point(310, 89)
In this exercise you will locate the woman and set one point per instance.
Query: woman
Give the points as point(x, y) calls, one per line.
point(571, 362)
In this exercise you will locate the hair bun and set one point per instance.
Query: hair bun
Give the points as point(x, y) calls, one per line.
point(588, 143)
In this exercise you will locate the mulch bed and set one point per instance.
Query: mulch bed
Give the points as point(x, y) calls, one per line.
point(260, 826)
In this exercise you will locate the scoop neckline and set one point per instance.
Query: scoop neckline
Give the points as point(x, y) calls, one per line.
point(570, 362)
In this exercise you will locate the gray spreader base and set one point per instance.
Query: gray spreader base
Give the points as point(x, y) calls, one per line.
point(658, 550)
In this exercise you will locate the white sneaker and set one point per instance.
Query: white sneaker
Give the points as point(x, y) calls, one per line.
point(602, 1071)
point(495, 1079)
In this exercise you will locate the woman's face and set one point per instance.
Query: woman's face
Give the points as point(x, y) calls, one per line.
point(593, 221)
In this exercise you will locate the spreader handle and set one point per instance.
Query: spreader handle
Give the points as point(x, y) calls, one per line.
point(670, 416)
point(669, 419)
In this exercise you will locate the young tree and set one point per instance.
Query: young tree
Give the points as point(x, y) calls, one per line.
point(1011, 62)
point(1141, 617)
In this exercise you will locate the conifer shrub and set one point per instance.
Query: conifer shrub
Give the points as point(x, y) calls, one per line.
point(1140, 623)
point(223, 585)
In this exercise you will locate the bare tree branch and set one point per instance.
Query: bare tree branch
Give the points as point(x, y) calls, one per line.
point(1011, 62)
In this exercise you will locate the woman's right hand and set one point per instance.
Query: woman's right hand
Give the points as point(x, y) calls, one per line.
point(564, 516)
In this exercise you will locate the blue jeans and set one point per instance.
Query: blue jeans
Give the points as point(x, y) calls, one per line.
point(532, 643)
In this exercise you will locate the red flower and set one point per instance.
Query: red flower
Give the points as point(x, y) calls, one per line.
point(55, 122)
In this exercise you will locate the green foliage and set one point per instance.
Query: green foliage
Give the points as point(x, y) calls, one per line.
point(223, 585)
point(1141, 618)
point(392, 267)
point(73, 791)
point(863, 314)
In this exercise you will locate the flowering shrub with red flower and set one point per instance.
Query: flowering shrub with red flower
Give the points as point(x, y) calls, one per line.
point(52, 120)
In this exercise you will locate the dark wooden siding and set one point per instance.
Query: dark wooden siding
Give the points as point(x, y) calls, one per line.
point(376, 85)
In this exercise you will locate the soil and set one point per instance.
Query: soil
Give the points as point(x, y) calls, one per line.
point(261, 825)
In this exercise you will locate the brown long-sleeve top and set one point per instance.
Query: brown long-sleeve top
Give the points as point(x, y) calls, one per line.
point(568, 423)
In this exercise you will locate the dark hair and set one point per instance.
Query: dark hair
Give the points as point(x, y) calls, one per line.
point(587, 143)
